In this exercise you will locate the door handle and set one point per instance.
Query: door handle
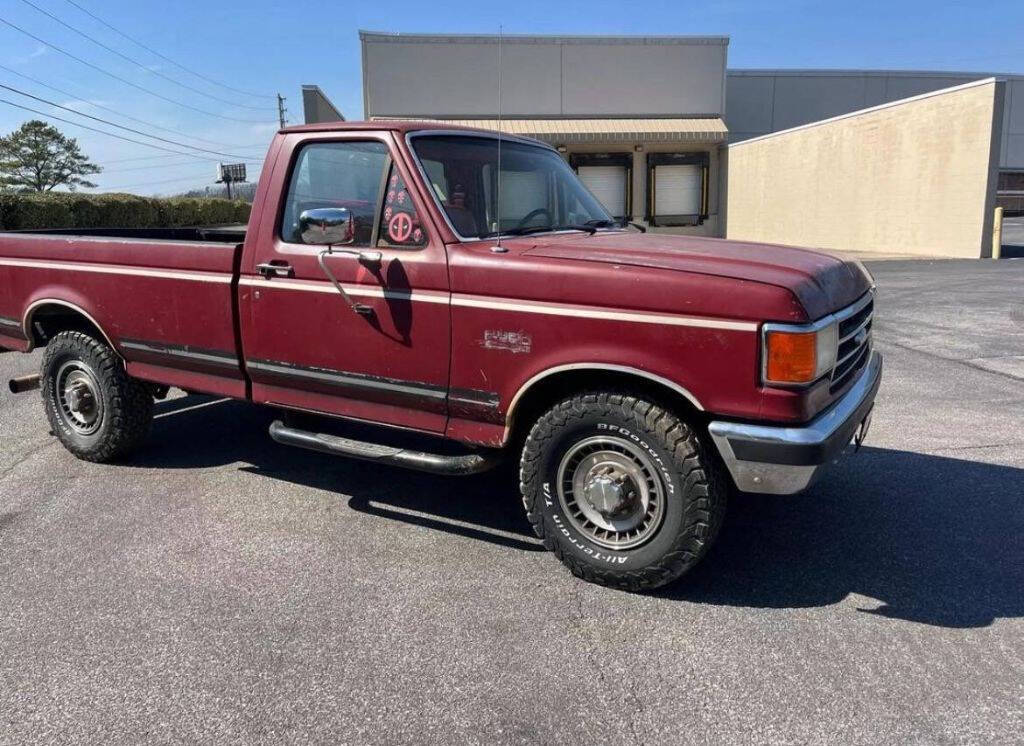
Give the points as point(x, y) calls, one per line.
point(275, 269)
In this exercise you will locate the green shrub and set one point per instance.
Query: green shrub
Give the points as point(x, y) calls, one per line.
point(75, 210)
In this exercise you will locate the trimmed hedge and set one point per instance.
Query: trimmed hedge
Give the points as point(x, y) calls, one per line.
point(73, 210)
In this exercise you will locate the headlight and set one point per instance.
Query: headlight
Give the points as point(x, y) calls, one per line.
point(794, 355)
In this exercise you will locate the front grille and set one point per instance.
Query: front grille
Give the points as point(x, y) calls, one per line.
point(854, 343)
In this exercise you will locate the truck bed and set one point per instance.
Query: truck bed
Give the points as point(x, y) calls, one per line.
point(165, 298)
point(217, 234)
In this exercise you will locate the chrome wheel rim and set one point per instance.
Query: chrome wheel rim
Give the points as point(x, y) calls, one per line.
point(611, 492)
point(78, 398)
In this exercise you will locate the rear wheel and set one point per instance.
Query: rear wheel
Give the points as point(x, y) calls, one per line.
point(98, 411)
point(621, 490)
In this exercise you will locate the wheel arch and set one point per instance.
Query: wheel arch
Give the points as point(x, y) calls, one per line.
point(550, 385)
point(47, 317)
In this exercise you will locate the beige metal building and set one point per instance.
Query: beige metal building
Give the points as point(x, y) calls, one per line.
point(759, 102)
point(914, 176)
point(658, 129)
point(763, 101)
point(639, 118)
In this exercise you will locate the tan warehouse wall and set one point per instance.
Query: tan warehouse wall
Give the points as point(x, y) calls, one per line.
point(915, 176)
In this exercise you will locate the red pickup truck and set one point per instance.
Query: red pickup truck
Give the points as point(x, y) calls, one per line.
point(451, 283)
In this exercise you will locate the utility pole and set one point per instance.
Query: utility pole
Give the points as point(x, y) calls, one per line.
point(281, 110)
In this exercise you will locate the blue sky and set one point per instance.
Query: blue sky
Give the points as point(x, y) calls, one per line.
point(266, 47)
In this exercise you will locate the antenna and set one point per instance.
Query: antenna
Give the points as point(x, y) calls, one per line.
point(498, 190)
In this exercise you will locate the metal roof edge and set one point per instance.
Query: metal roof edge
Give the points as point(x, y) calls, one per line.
point(397, 37)
point(576, 130)
point(543, 117)
point(850, 72)
point(868, 110)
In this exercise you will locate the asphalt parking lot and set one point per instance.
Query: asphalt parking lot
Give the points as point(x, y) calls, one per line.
point(223, 588)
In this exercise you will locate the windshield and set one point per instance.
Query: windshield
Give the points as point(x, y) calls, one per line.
point(538, 190)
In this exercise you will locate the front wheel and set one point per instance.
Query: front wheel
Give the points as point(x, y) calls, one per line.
point(621, 490)
point(95, 408)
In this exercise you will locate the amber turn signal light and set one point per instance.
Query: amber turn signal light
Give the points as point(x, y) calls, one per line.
point(799, 356)
point(791, 357)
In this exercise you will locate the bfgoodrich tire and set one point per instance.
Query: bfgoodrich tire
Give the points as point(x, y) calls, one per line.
point(97, 411)
point(621, 490)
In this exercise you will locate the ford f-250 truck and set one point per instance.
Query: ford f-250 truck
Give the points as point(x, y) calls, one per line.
point(421, 278)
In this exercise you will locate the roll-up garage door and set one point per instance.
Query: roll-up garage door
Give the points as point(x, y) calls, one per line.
point(522, 192)
point(608, 184)
point(677, 190)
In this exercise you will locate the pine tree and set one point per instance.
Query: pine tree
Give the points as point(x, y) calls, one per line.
point(37, 158)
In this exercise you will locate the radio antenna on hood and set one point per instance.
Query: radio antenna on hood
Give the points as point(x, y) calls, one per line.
point(497, 209)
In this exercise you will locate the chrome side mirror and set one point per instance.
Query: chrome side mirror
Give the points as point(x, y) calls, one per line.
point(331, 226)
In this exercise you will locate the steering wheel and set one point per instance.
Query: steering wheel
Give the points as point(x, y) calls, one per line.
point(532, 214)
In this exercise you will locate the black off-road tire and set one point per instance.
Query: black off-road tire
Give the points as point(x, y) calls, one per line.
point(127, 403)
point(695, 489)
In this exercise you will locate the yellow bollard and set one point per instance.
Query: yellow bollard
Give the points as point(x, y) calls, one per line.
point(997, 234)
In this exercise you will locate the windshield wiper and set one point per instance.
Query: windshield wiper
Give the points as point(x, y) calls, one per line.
point(527, 230)
point(617, 223)
point(551, 228)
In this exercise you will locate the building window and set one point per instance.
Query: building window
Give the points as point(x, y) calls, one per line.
point(609, 177)
point(677, 188)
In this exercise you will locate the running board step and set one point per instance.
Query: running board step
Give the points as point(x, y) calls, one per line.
point(434, 463)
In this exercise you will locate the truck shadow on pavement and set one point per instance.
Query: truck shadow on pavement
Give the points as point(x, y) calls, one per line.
point(195, 431)
point(924, 538)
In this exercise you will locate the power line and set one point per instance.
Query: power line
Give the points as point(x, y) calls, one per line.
point(182, 164)
point(93, 129)
point(150, 183)
point(113, 111)
point(109, 74)
point(156, 158)
point(163, 57)
point(114, 124)
point(135, 62)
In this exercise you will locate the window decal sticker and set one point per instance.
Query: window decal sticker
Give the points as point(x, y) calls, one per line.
point(400, 227)
point(400, 224)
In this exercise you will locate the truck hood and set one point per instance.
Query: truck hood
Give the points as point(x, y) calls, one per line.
point(823, 283)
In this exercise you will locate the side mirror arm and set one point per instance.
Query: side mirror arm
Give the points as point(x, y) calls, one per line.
point(365, 257)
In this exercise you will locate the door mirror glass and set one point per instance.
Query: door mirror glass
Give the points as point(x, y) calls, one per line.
point(326, 225)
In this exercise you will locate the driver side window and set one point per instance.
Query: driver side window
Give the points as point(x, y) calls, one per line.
point(336, 174)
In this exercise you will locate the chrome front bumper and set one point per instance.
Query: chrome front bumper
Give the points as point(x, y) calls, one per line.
point(785, 460)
